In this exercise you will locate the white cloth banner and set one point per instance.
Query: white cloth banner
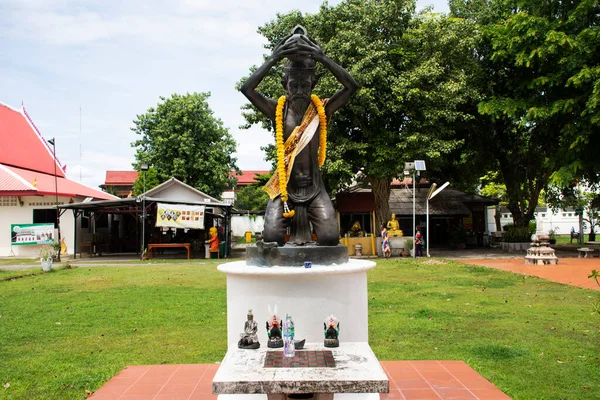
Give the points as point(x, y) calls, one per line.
point(179, 216)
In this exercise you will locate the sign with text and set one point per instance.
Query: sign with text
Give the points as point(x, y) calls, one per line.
point(31, 234)
point(179, 216)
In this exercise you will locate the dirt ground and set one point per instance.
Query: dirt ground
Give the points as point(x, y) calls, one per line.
point(570, 271)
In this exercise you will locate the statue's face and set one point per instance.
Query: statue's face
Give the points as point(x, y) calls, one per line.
point(299, 85)
point(393, 216)
point(250, 317)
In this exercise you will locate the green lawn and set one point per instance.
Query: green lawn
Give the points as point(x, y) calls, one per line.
point(68, 332)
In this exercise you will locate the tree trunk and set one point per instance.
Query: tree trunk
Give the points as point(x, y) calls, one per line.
point(497, 219)
point(381, 192)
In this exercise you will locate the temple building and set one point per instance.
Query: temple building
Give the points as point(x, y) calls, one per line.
point(32, 181)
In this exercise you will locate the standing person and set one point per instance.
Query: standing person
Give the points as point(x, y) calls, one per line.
point(418, 243)
point(385, 242)
point(299, 199)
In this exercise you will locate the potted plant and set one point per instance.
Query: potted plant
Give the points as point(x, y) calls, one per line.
point(552, 235)
point(46, 254)
point(408, 247)
point(56, 247)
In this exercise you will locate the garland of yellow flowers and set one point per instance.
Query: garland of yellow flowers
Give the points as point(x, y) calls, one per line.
point(287, 213)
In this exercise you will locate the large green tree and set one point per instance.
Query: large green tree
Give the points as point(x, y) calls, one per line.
point(541, 89)
point(414, 75)
point(181, 138)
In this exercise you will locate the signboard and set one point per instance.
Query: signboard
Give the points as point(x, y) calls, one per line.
point(468, 223)
point(179, 216)
point(31, 234)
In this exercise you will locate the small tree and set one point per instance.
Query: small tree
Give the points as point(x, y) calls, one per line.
point(181, 138)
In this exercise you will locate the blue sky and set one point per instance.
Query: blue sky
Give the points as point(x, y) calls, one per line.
point(115, 58)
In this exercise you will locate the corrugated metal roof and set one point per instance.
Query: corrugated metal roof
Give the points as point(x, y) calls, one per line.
point(12, 182)
point(447, 202)
point(44, 183)
point(22, 145)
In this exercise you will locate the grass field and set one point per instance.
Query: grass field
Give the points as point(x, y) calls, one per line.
point(68, 332)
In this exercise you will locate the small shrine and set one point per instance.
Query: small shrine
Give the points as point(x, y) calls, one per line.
point(540, 252)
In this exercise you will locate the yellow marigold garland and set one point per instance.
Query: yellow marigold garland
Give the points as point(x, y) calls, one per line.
point(322, 128)
point(287, 213)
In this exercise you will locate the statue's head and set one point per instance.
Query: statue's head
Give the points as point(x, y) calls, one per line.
point(299, 77)
point(250, 315)
point(212, 230)
point(393, 216)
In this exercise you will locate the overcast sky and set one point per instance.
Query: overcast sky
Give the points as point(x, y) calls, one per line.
point(113, 59)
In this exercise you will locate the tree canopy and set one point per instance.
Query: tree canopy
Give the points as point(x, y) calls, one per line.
point(541, 80)
point(414, 73)
point(181, 138)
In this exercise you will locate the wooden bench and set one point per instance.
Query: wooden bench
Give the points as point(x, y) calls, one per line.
point(169, 245)
point(585, 252)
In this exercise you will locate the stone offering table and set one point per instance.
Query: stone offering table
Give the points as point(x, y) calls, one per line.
point(356, 371)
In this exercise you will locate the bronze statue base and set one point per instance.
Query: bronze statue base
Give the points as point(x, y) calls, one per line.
point(275, 343)
point(269, 255)
point(252, 346)
point(332, 343)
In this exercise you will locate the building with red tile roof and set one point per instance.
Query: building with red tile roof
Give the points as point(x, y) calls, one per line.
point(121, 182)
point(247, 177)
point(31, 179)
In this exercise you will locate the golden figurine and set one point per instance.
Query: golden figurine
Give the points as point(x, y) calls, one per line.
point(393, 227)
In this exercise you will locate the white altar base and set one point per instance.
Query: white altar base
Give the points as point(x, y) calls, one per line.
point(309, 295)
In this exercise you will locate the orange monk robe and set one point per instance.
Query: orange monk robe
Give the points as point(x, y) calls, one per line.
point(214, 242)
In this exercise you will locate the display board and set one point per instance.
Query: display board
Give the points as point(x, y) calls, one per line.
point(179, 216)
point(21, 234)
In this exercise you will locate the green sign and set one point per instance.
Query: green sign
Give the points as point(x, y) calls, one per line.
point(21, 234)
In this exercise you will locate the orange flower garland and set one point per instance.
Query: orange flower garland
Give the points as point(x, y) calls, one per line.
point(287, 213)
point(322, 128)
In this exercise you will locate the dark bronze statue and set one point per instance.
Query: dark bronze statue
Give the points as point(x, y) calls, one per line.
point(303, 203)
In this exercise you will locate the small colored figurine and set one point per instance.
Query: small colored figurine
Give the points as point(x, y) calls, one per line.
point(214, 239)
point(274, 330)
point(332, 331)
point(393, 227)
point(249, 339)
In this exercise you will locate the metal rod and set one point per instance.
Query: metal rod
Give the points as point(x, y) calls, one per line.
point(427, 231)
point(414, 227)
point(56, 193)
point(144, 216)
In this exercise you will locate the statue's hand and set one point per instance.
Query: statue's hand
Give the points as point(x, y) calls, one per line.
point(284, 48)
point(308, 46)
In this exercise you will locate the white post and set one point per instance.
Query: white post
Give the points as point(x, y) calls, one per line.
point(427, 202)
point(414, 217)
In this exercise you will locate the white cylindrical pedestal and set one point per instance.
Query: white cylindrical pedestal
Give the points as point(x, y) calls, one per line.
point(309, 295)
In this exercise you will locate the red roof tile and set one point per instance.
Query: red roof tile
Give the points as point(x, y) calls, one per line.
point(44, 184)
point(22, 145)
point(120, 178)
point(247, 176)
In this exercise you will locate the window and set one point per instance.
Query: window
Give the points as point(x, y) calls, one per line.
point(543, 215)
point(45, 216)
point(564, 214)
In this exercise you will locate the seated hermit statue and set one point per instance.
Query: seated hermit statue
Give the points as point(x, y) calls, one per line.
point(249, 339)
point(393, 227)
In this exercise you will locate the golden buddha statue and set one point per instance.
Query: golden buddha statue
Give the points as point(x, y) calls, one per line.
point(356, 229)
point(393, 227)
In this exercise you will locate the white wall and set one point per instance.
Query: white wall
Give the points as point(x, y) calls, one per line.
point(562, 220)
point(242, 223)
point(24, 215)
